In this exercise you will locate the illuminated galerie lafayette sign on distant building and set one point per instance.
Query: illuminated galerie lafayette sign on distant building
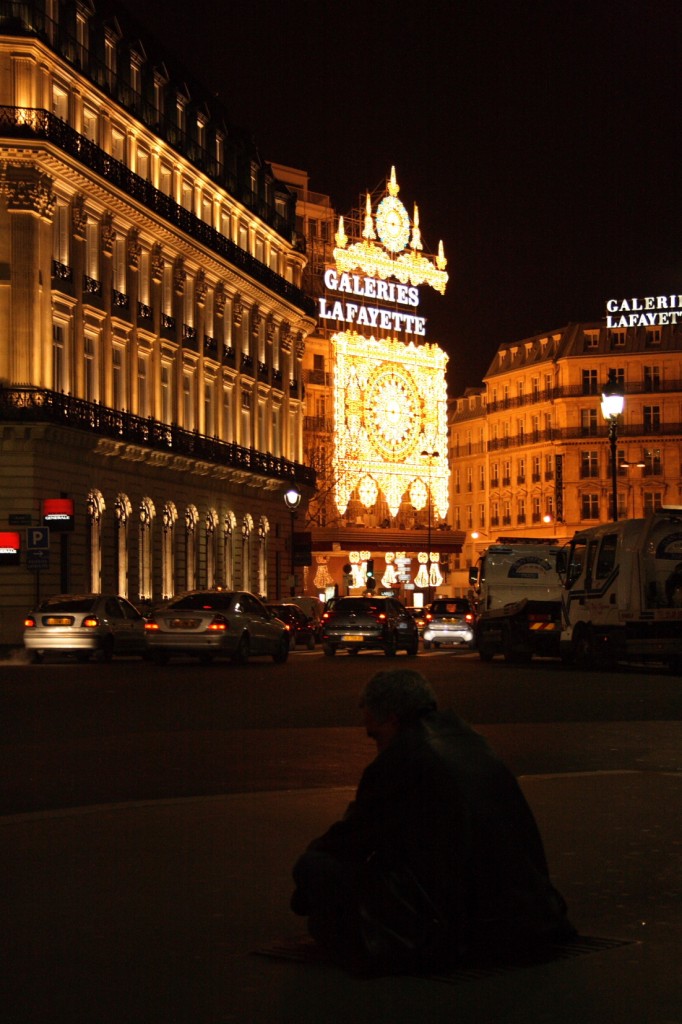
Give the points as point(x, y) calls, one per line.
point(651, 311)
point(390, 395)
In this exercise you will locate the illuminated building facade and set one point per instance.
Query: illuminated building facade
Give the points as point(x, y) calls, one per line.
point(376, 419)
point(530, 451)
point(153, 320)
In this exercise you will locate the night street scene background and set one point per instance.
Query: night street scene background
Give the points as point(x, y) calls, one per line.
point(540, 139)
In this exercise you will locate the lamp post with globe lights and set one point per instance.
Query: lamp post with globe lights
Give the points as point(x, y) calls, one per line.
point(430, 455)
point(292, 499)
point(612, 402)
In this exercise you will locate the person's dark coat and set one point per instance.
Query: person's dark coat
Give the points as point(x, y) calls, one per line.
point(438, 800)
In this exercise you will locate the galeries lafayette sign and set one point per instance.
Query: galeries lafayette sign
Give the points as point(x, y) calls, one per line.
point(650, 311)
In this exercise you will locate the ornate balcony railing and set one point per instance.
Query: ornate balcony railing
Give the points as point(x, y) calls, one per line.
point(25, 122)
point(38, 405)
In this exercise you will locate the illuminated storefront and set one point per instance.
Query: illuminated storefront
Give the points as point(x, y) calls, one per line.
point(376, 429)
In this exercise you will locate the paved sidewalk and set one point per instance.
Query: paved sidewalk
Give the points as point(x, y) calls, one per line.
point(150, 912)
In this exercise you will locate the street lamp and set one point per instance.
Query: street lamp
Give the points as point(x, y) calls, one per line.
point(430, 456)
point(292, 499)
point(612, 402)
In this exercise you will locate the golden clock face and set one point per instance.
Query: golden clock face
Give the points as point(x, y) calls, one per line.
point(393, 223)
point(392, 412)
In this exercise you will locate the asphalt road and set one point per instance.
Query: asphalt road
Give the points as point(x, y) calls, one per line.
point(73, 734)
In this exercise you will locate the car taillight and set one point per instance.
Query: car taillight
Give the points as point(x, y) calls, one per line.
point(381, 616)
point(151, 625)
point(91, 622)
point(218, 624)
point(428, 617)
point(469, 617)
point(325, 616)
point(29, 622)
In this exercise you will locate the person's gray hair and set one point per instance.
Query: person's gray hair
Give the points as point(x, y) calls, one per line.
point(402, 692)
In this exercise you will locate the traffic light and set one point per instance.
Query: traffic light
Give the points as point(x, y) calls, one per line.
point(370, 582)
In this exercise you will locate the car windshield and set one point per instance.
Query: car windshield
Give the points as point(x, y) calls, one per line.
point(68, 604)
point(359, 606)
point(219, 602)
point(458, 606)
point(282, 611)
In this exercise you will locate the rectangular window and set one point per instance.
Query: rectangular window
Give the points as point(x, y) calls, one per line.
point(652, 419)
point(92, 249)
point(590, 506)
point(60, 102)
point(590, 382)
point(652, 503)
point(166, 395)
point(652, 378)
point(652, 462)
point(118, 145)
point(588, 422)
point(90, 369)
point(58, 367)
point(227, 417)
point(209, 428)
point(188, 401)
point(142, 401)
point(117, 378)
point(589, 464)
point(90, 124)
point(606, 558)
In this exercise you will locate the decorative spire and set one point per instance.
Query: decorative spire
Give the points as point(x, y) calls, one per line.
point(393, 187)
point(441, 262)
point(416, 241)
point(368, 231)
point(341, 237)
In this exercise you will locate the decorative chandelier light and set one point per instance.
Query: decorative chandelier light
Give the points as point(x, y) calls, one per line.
point(390, 404)
point(395, 232)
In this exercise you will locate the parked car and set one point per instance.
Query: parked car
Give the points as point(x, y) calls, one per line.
point(450, 620)
point(210, 623)
point(302, 629)
point(365, 623)
point(84, 625)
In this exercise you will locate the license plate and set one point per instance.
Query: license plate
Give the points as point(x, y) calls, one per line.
point(55, 620)
point(184, 623)
point(352, 638)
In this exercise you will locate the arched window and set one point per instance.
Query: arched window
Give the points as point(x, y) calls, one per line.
point(95, 507)
point(229, 534)
point(169, 518)
point(263, 532)
point(247, 534)
point(122, 511)
point(147, 514)
point(191, 522)
point(211, 547)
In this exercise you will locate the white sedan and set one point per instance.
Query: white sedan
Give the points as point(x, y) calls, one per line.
point(210, 623)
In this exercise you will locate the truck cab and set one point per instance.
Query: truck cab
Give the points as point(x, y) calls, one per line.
point(622, 597)
point(518, 592)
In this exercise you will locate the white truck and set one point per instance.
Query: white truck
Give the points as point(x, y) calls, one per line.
point(622, 598)
point(518, 588)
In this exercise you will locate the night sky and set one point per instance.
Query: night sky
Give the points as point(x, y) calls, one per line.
point(541, 140)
